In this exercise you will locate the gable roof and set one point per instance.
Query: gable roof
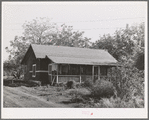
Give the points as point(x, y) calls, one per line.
point(73, 55)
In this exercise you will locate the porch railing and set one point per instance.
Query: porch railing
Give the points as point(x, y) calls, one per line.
point(81, 78)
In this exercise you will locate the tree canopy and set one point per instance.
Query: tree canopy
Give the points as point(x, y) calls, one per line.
point(124, 45)
point(42, 31)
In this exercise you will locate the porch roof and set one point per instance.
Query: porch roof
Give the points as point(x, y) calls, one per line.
point(74, 55)
point(82, 61)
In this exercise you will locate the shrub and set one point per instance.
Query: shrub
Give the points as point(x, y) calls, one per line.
point(60, 84)
point(102, 88)
point(77, 99)
point(130, 83)
point(70, 84)
point(79, 95)
point(78, 85)
point(59, 89)
point(13, 85)
point(87, 83)
point(80, 91)
point(33, 83)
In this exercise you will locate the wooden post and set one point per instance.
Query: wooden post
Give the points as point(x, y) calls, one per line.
point(51, 73)
point(80, 74)
point(57, 74)
point(98, 72)
point(93, 72)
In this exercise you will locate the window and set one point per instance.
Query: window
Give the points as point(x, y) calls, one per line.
point(74, 70)
point(103, 71)
point(86, 70)
point(65, 69)
point(34, 70)
point(83, 70)
point(49, 69)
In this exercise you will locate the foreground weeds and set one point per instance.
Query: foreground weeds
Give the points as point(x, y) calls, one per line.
point(120, 103)
point(127, 92)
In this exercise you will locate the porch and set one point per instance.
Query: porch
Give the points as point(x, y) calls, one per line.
point(79, 73)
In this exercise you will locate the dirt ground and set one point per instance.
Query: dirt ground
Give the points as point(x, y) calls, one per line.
point(33, 97)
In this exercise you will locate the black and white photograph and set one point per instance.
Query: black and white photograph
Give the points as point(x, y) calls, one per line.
point(74, 59)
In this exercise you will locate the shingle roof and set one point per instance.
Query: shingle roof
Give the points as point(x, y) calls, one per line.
point(73, 55)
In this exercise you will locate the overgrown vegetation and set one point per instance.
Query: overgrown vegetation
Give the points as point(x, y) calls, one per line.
point(102, 89)
point(124, 92)
point(126, 45)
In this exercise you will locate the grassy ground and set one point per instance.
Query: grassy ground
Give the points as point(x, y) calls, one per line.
point(37, 97)
point(21, 95)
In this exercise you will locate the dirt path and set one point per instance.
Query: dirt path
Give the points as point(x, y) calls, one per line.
point(19, 97)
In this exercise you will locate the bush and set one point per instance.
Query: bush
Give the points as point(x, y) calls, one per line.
point(33, 83)
point(17, 83)
point(13, 85)
point(102, 88)
point(77, 99)
point(60, 84)
point(87, 83)
point(70, 84)
point(130, 83)
point(80, 91)
point(78, 95)
point(78, 85)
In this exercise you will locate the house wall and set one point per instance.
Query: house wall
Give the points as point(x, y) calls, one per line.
point(44, 70)
point(44, 64)
point(41, 67)
point(29, 62)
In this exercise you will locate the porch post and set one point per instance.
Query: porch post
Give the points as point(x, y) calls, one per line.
point(57, 75)
point(93, 72)
point(51, 73)
point(80, 74)
point(98, 72)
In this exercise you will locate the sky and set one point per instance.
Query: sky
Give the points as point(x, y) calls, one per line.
point(94, 18)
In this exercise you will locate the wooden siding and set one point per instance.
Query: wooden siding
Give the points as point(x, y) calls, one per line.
point(44, 64)
point(42, 71)
point(44, 78)
point(29, 62)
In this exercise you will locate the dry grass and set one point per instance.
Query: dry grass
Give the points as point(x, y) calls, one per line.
point(120, 103)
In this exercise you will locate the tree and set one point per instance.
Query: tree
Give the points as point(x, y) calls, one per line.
point(139, 59)
point(39, 31)
point(124, 44)
point(42, 31)
point(11, 68)
point(65, 36)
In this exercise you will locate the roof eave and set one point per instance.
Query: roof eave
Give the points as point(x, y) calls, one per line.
point(22, 62)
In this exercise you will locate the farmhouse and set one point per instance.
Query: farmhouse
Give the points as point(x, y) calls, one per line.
point(52, 64)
